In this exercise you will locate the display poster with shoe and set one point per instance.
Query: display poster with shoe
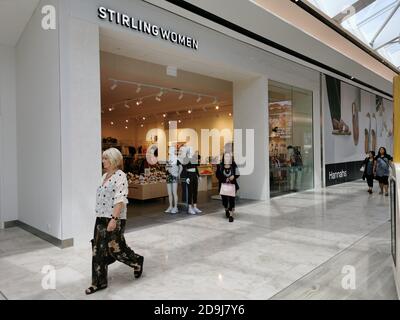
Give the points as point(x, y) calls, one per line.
point(356, 122)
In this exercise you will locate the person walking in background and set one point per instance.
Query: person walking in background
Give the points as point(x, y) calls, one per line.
point(228, 174)
point(108, 244)
point(368, 166)
point(382, 170)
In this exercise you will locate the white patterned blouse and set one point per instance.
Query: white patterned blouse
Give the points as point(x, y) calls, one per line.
point(112, 192)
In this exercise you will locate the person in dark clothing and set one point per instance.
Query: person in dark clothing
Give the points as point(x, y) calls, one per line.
point(368, 175)
point(382, 170)
point(227, 172)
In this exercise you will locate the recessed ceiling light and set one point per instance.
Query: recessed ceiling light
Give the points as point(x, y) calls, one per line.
point(217, 108)
point(230, 114)
point(189, 111)
point(142, 125)
point(144, 118)
point(164, 115)
point(112, 123)
point(180, 121)
point(111, 109)
point(126, 127)
point(127, 121)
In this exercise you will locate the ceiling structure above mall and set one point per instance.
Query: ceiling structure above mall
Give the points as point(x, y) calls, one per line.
point(373, 22)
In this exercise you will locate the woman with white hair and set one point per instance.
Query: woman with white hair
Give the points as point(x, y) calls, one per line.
point(108, 244)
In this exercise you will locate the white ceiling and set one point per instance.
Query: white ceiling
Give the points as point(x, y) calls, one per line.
point(133, 70)
point(14, 15)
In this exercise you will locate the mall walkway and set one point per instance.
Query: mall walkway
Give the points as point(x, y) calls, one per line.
point(295, 248)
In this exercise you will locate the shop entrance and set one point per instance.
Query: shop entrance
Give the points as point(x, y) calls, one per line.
point(290, 139)
point(139, 97)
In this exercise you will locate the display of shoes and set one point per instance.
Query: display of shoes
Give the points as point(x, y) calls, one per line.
point(340, 128)
point(374, 133)
point(356, 128)
point(368, 138)
point(366, 144)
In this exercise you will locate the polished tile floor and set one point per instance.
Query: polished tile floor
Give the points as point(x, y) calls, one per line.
point(293, 248)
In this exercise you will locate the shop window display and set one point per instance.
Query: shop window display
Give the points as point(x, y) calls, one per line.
point(290, 139)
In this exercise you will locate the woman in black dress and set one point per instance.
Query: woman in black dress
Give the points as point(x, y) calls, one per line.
point(227, 172)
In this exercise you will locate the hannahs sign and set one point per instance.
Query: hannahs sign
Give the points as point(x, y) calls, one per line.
point(147, 28)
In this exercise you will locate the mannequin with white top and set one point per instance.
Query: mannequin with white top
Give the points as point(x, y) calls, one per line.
point(174, 169)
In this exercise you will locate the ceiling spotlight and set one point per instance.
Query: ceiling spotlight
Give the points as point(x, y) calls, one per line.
point(139, 88)
point(164, 115)
point(112, 123)
point(158, 98)
point(230, 114)
point(198, 99)
point(142, 125)
point(126, 127)
point(217, 108)
point(114, 85)
point(127, 121)
point(111, 109)
point(180, 96)
point(180, 121)
point(190, 111)
point(139, 103)
point(144, 118)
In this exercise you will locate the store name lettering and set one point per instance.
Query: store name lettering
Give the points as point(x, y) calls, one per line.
point(147, 28)
point(337, 175)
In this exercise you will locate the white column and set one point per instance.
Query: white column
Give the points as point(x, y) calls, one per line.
point(250, 110)
point(81, 127)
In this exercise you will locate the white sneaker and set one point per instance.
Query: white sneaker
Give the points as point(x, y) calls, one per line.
point(169, 210)
point(174, 211)
point(191, 211)
point(197, 210)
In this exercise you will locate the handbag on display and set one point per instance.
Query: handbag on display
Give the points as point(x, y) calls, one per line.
point(228, 189)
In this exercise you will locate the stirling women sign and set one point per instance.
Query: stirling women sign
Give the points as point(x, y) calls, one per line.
point(147, 28)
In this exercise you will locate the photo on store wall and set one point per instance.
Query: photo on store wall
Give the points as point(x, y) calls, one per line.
point(356, 122)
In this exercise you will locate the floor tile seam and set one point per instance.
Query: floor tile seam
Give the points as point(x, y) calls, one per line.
point(330, 259)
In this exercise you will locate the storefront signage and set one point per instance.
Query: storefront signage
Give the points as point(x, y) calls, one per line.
point(142, 26)
point(342, 172)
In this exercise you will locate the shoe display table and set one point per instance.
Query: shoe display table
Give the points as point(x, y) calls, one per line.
point(148, 191)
